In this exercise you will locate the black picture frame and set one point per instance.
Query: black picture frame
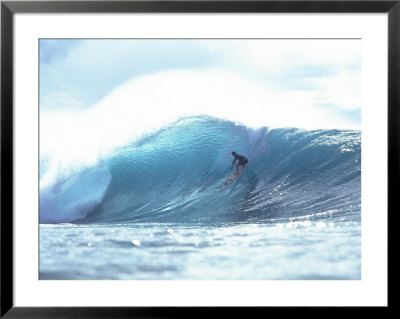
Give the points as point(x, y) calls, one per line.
point(9, 8)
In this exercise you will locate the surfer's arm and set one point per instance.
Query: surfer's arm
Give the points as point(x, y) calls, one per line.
point(233, 163)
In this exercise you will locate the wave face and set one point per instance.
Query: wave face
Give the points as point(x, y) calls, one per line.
point(176, 175)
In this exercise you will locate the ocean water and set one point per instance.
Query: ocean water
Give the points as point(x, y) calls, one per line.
point(157, 208)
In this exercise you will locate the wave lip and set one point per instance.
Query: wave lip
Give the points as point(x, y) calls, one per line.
point(176, 175)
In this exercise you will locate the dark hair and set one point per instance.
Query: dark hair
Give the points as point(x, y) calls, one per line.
point(233, 153)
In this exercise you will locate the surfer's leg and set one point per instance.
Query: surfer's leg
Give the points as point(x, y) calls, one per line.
point(237, 170)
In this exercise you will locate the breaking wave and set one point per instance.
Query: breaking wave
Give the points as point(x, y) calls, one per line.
point(177, 175)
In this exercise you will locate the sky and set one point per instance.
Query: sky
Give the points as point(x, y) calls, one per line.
point(303, 83)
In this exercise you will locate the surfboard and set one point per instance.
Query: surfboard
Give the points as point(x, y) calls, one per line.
point(233, 177)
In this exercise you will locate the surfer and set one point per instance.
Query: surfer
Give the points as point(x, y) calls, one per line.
point(242, 161)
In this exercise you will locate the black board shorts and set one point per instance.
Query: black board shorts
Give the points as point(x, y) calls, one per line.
point(243, 162)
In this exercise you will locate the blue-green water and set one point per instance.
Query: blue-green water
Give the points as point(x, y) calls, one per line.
point(157, 208)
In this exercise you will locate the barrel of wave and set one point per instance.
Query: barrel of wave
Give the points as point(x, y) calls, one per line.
point(74, 197)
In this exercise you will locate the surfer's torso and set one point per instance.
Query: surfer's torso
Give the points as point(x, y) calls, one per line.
point(242, 159)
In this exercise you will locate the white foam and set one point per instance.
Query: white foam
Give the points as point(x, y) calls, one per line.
point(78, 139)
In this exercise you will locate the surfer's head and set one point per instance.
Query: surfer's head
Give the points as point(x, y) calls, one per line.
point(234, 153)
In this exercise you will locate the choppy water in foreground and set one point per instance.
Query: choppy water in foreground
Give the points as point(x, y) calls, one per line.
point(302, 250)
